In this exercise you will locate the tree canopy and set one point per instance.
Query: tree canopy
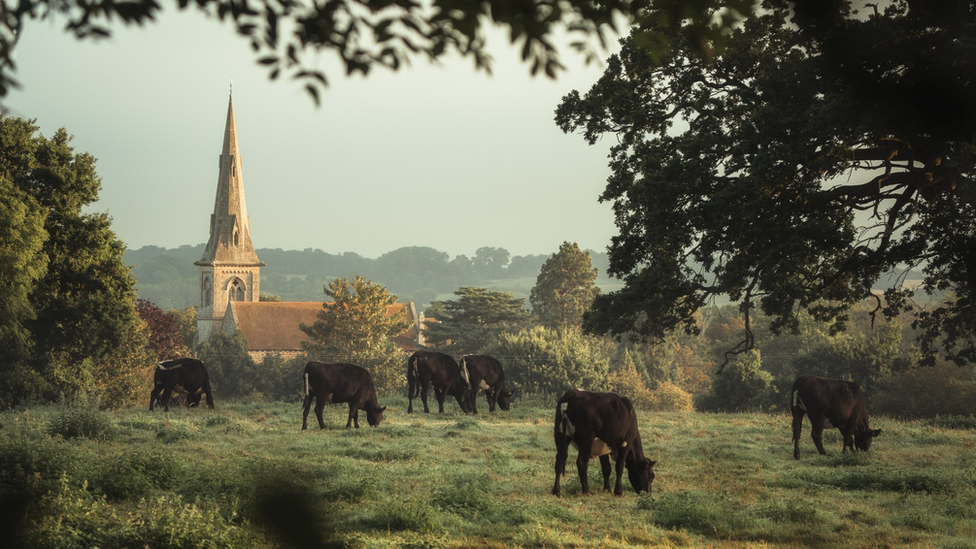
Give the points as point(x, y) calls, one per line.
point(465, 325)
point(565, 287)
point(70, 321)
point(289, 36)
point(822, 149)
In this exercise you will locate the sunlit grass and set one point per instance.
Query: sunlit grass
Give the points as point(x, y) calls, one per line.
point(450, 480)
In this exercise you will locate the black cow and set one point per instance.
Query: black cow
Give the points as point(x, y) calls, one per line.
point(601, 425)
point(187, 373)
point(336, 384)
point(831, 403)
point(483, 372)
point(427, 369)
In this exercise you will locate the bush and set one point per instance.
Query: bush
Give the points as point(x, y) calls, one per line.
point(80, 417)
point(744, 386)
point(541, 360)
point(926, 392)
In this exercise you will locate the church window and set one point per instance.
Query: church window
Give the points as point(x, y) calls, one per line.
point(207, 292)
point(237, 238)
point(236, 290)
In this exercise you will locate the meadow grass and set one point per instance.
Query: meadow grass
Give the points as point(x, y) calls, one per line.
point(245, 475)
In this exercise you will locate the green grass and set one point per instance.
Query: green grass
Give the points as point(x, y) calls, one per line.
point(245, 475)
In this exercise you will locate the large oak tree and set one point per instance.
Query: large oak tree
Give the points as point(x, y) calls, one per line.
point(820, 150)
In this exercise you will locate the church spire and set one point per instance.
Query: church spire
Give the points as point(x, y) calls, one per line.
point(230, 227)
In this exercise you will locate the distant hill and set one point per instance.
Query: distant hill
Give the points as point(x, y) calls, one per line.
point(168, 277)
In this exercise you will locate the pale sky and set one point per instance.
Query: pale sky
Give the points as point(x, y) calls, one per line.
point(445, 157)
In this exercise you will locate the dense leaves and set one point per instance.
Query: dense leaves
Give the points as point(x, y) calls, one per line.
point(478, 316)
point(821, 150)
point(165, 337)
point(565, 287)
point(289, 36)
point(78, 329)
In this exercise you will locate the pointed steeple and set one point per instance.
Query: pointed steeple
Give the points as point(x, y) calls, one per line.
point(230, 227)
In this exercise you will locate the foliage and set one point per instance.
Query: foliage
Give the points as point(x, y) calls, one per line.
point(565, 288)
point(479, 316)
point(542, 360)
point(186, 321)
point(941, 390)
point(743, 386)
point(80, 416)
point(358, 327)
point(165, 337)
point(82, 321)
point(232, 370)
point(822, 149)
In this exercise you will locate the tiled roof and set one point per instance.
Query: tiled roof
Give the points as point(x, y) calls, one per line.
point(274, 325)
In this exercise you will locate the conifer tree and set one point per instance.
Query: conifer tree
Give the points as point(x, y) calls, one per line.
point(565, 287)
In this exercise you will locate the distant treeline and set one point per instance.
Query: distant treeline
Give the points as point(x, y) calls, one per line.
point(168, 277)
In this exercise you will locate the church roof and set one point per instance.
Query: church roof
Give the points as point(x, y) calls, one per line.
point(230, 226)
point(274, 325)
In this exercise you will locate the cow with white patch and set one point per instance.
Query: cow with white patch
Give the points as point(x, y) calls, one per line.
point(188, 374)
point(337, 384)
point(601, 425)
point(428, 369)
point(482, 372)
point(831, 403)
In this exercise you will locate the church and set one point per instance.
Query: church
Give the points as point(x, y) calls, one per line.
point(230, 275)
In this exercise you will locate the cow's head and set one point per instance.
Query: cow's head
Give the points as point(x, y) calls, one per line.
point(641, 474)
point(375, 417)
point(505, 400)
point(862, 440)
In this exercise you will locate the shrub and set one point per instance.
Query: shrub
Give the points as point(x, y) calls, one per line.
point(941, 390)
point(743, 386)
point(551, 361)
point(668, 397)
point(80, 417)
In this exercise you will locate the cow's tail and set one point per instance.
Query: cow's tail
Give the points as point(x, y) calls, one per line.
point(308, 386)
point(464, 370)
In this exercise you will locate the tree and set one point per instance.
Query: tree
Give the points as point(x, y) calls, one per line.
point(565, 287)
point(288, 37)
point(820, 150)
point(490, 262)
point(165, 337)
point(541, 360)
point(81, 331)
point(358, 326)
point(479, 315)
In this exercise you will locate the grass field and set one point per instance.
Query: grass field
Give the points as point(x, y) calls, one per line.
point(242, 474)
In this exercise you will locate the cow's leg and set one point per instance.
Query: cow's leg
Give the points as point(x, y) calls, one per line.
point(353, 416)
point(797, 429)
point(492, 396)
point(474, 396)
point(306, 405)
point(425, 386)
point(319, 406)
point(167, 392)
point(848, 439)
point(154, 395)
point(411, 394)
point(441, 395)
point(583, 462)
point(605, 467)
point(816, 431)
point(562, 452)
point(618, 488)
point(206, 391)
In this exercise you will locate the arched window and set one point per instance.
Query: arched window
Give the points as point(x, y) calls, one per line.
point(236, 290)
point(237, 238)
point(207, 292)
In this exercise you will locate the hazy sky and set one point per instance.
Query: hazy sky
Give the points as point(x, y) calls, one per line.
point(445, 157)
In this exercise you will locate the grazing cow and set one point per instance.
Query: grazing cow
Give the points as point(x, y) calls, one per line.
point(601, 425)
point(336, 384)
point(831, 403)
point(186, 373)
point(427, 369)
point(482, 372)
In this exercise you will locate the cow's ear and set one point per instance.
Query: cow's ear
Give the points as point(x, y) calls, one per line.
point(875, 432)
point(381, 410)
point(651, 462)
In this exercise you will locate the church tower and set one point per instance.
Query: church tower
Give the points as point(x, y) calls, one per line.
point(230, 269)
